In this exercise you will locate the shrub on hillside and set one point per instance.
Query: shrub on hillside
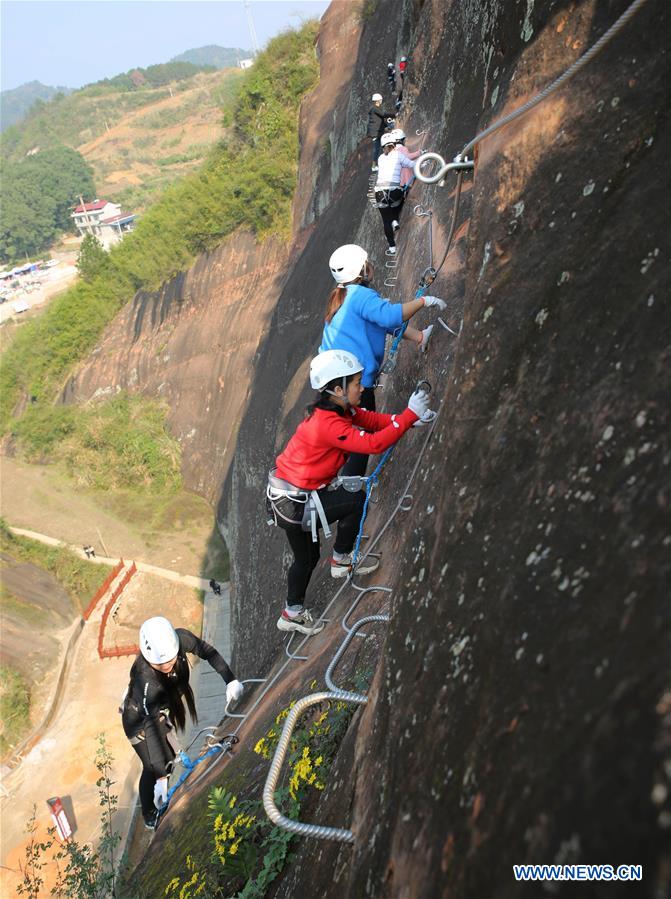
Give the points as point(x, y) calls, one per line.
point(37, 196)
point(246, 182)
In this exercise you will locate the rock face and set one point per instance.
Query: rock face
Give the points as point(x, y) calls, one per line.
point(521, 707)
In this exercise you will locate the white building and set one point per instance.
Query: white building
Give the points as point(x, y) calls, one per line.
point(104, 220)
point(246, 63)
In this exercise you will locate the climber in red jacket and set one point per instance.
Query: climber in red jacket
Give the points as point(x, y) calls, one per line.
point(302, 495)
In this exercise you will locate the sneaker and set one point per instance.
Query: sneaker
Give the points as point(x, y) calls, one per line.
point(151, 820)
point(343, 567)
point(392, 251)
point(304, 623)
point(395, 226)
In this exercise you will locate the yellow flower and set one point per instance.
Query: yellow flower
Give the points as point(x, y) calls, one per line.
point(232, 802)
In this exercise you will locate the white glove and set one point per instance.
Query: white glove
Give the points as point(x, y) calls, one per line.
point(426, 419)
point(161, 792)
point(419, 402)
point(426, 336)
point(234, 691)
point(435, 301)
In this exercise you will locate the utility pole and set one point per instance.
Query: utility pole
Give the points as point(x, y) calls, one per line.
point(252, 30)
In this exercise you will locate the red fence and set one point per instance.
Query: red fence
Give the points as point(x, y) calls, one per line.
point(102, 589)
point(117, 650)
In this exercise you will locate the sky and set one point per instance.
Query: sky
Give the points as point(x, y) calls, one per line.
point(69, 43)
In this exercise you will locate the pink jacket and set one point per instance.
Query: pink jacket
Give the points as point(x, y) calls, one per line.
point(406, 174)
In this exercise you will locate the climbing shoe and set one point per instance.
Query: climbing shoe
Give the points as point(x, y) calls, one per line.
point(151, 819)
point(391, 251)
point(395, 226)
point(342, 568)
point(303, 623)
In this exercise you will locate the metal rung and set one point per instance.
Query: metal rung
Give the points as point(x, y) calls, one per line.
point(275, 815)
point(361, 593)
point(345, 643)
point(290, 655)
point(250, 680)
point(406, 502)
point(447, 327)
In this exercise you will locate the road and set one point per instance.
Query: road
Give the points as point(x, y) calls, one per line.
point(189, 580)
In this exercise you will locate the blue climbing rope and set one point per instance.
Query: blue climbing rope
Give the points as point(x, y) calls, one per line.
point(189, 767)
point(390, 363)
point(371, 481)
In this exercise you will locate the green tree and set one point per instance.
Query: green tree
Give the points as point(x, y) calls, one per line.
point(92, 259)
point(36, 196)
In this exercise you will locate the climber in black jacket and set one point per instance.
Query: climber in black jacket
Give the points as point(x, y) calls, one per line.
point(153, 706)
point(379, 121)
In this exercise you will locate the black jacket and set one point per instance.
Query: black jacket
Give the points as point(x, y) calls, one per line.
point(377, 121)
point(145, 705)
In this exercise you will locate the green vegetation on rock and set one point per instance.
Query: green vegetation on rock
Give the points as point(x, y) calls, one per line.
point(14, 708)
point(121, 443)
point(248, 182)
point(78, 577)
point(213, 55)
point(37, 196)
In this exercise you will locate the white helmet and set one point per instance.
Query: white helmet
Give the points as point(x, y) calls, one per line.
point(387, 139)
point(404, 59)
point(376, 97)
point(159, 642)
point(347, 262)
point(398, 134)
point(332, 364)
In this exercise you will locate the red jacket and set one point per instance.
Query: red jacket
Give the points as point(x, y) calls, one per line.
point(322, 443)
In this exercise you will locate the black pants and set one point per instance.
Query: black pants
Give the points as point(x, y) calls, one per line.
point(147, 778)
point(389, 212)
point(377, 148)
point(357, 463)
point(339, 505)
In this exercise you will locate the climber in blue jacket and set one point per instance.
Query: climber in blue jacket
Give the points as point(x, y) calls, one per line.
point(358, 320)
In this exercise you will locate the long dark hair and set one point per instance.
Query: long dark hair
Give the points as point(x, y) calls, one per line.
point(176, 687)
point(324, 400)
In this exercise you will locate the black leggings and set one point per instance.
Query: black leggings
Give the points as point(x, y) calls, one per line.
point(389, 213)
point(357, 463)
point(339, 505)
point(147, 778)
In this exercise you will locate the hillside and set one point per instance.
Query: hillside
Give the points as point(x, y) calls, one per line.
point(518, 699)
point(15, 103)
point(138, 140)
point(213, 55)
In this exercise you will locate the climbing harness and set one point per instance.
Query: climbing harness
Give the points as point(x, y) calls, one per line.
point(278, 489)
point(313, 509)
point(217, 744)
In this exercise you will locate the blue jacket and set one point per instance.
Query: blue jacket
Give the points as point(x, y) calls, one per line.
point(360, 326)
